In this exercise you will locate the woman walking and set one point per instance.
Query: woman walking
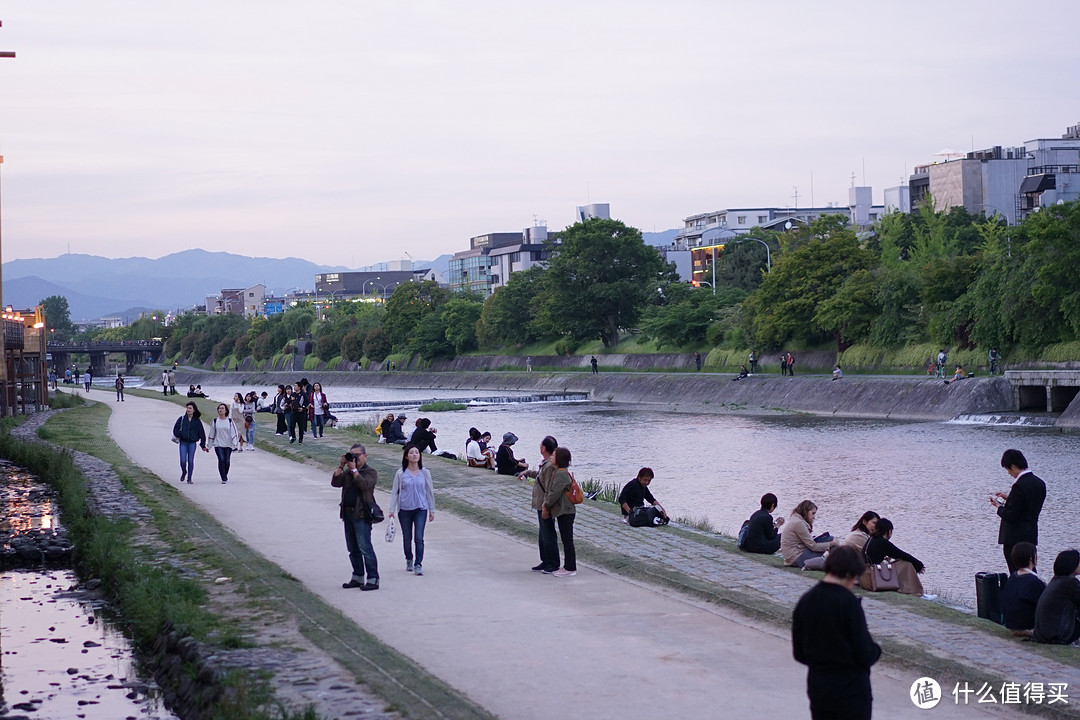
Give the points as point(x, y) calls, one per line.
point(251, 402)
point(224, 437)
point(320, 409)
point(237, 416)
point(413, 499)
point(558, 506)
point(189, 431)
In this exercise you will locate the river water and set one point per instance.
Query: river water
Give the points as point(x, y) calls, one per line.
point(933, 480)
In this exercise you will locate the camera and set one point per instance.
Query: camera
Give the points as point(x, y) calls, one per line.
point(349, 457)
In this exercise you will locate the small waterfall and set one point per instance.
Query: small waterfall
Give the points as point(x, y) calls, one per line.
point(471, 401)
point(1006, 419)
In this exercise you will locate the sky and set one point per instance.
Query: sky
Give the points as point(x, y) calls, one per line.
point(355, 132)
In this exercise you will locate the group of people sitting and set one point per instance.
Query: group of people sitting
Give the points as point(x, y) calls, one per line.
point(1045, 612)
point(391, 430)
point(871, 536)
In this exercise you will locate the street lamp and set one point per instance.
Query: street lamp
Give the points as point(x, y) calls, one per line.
point(768, 253)
point(378, 285)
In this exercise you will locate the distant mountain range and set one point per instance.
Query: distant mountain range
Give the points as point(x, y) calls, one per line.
point(96, 286)
point(660, 239)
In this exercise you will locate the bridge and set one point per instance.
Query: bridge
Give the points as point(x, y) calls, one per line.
point(135, 352)
point(1043, 390)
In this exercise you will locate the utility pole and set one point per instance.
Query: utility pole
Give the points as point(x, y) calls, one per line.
point(8, 393)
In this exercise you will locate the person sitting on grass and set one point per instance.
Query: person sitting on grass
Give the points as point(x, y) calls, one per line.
point(762, 535)
point(636, 493)
point(1021, 593)
point(476, 456)
point(504, 459)
point(1057, 614)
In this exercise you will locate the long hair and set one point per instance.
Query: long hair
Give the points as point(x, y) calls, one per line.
point(195, 415)
point(866, 517)
point(803, 510)
point(405, 457)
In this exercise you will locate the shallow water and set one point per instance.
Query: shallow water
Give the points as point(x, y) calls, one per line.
point(933, 480)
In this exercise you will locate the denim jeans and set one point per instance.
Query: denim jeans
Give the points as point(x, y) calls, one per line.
point(187, 457)
point(549, 542)
point(317, 425)
point(361, 553)
point(566, 532)
point(413, 523)
point(251, 432)
point(224, 459)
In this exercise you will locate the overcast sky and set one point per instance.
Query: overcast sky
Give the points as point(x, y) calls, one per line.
point(353, 132)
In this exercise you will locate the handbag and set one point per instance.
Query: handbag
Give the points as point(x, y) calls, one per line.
point(176, 439)
point(391, 528)
point(882, 577)
point(374, 513)
point(574, 491)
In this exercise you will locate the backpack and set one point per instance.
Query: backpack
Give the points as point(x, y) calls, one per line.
point(646, 516)
point(743, 532)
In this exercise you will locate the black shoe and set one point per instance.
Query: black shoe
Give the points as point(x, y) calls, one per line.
point(292, 440)
point(370, 586)
point(538, 568)
point(352, 584)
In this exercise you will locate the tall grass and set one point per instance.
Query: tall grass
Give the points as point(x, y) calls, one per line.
point(601, 491)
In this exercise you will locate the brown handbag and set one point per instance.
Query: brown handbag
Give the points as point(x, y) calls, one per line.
point(881, 577)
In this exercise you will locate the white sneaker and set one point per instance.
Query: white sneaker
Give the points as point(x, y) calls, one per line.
point(928, 596)
point(564, 573)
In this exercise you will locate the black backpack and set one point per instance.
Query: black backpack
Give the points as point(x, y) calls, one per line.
point(646, 516)
point(743, 532)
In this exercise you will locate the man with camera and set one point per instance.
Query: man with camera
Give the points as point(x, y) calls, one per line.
point(357, 482)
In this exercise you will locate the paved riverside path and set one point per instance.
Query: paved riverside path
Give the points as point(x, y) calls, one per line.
point(518, 643)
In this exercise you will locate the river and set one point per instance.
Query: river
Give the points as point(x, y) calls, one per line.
point(933, 480)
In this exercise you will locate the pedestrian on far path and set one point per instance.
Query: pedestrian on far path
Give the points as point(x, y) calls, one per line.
point(413, 499)
point(829, 636)
point(165, 382)
point(189, 431)
point(89, 377)
point(783, 363)
point(76, 369)
point(528, 364)
point(697, 361)
point(357, 482)
point(753, 362)
point(594, 365)
point(224, 436)
point(1019, 509)
point(119, 387)
point(172, 382)
point(790, 365)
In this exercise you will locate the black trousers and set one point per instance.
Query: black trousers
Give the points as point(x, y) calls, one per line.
point(839, 694)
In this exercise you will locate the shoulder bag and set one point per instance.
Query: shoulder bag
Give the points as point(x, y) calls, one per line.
point(574, 492)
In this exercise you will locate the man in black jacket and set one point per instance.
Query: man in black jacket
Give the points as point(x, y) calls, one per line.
point(1019, 510)
point(395, 433)
point(762, 535)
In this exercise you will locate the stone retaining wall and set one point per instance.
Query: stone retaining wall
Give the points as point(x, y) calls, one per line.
point(907, 398)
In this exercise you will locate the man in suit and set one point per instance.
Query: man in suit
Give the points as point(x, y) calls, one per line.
point(1019, 510)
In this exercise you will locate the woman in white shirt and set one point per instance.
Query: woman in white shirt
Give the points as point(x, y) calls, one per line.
point(413, 499)
point(320, 407)
point(223, 436)
point(237, 416)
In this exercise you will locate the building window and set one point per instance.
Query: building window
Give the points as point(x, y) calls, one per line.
point(741, 219)
point(762, 219)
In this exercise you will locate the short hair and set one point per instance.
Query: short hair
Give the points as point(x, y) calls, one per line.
point(358, 446)
point(866, 517)
point(844, 562)
point(549, 443)
point(1014, 457)
point(405, 457)
point(1066, 562)
point(884, 527)
point(424, 423)
point(645, 472)
point(562, 457)
point(803, 510)
point(769, 501)
point(1023, 554)
point(474, 434)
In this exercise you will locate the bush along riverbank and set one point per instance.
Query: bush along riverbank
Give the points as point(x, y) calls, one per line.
point(155, 591)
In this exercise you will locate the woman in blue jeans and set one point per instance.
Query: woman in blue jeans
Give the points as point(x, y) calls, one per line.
point(413, 499)
point(189, 431)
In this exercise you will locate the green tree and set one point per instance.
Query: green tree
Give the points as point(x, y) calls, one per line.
point(785, 306)
point(509, 316)
point(459, 318)
point(850, 312)
point(743, 263)
point(58, 318)
point(600, 279)
point(377, 345)
point(685, 315)
point(297, 321)
point(411, 303)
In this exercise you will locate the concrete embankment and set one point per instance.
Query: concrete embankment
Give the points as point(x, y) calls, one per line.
point(906, 398)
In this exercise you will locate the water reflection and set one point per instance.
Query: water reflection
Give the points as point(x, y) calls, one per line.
point(933, 480)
